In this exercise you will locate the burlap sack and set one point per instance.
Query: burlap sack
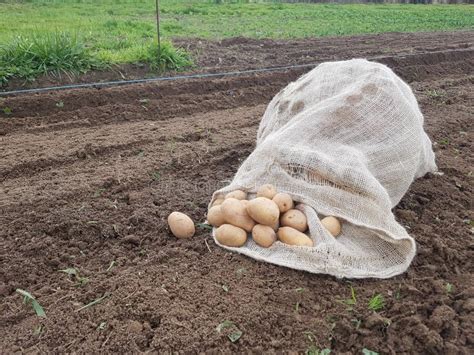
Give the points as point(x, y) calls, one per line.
point(345, 140)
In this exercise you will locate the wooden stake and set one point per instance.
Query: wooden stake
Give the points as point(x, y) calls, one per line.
point(157, 5)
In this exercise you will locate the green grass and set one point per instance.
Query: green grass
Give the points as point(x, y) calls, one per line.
point(123, 31)
point(376, 303)
point(56, 53)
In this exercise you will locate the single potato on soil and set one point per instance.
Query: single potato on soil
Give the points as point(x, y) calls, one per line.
point(181, 225)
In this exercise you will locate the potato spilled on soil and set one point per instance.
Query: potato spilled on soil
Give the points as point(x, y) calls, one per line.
point(181, 225)
point(268, 217)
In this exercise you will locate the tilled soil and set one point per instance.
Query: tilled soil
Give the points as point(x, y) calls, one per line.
point(88, 178)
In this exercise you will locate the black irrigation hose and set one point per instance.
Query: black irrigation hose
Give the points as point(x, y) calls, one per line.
point(150, 80)
point(206, 75)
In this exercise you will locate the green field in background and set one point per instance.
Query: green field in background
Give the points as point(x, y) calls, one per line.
point(118, 31)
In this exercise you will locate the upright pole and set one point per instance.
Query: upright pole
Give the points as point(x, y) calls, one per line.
point(157, 4)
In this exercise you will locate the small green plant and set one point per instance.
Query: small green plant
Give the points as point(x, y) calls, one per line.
point(99, 192)
point(7, 110)
point(225, 288)
point(81, 281)
point(29, 299)
point(449, 288)
point(366, 351)
point(241, 271)
point(155, 176)
point(398, 293)
point(234, 334)
point(377, 302)
point(351, 301)
point(313, 350)
point(444, 141)
point(435, 93)
point(60, 104)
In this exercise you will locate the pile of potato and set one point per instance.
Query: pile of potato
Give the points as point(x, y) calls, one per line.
point(268, 217)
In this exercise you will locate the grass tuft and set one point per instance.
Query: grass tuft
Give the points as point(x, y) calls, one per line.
point(170, 58)
point(377, 302)
point(52, 53)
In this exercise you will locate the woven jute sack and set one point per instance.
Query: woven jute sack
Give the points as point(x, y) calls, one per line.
point(344, 140)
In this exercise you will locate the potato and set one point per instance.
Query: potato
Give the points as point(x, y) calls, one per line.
point(244, 202)
point(237, 194)
point(267, 191)
point(264, 236)
point(263, 211)
point(291, 236)
point(218, 201)
point(332, 224)
point(236, 214)
point(215, 216)
point(283, 201)
point(295, 219)
point(231, 236)
point(181, 225)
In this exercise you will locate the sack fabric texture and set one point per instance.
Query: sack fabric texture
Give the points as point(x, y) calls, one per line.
point(345, 140)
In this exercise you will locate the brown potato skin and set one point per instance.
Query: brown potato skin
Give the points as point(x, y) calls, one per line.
point(263, 211)
point(291, 236)
point(181, 225)
point(264, 236)
point(266, 190)
point(215, 217)
point(237, 194)
point(332, 224)
point(236, 214)
point(231, 236)
point(283, 201)
point(295, 219)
